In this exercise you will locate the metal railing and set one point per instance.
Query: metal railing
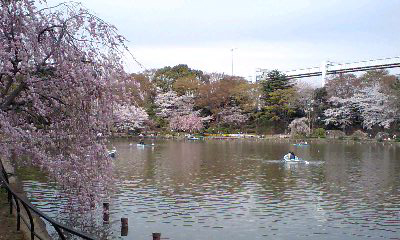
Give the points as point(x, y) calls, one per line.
point(15, 199)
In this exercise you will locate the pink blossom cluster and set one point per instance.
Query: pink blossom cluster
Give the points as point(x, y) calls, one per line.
point(129, 117)
point(169, 104)
point(374, 108)
point(188, 123)
point(340, 114)
point(233, 115)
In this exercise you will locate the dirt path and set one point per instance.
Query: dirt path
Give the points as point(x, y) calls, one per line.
point(8, 223)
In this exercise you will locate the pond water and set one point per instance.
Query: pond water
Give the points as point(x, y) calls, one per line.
point(239, 189)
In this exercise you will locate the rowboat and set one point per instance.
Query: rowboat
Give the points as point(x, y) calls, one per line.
point(286, 159)
point(112, 153)
point(145, 145)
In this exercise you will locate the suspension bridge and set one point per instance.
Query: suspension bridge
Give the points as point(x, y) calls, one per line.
point(329, 68)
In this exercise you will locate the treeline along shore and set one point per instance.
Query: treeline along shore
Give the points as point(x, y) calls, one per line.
point(180, 99)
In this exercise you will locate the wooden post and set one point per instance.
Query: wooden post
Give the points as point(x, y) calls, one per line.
point(106, 217)
point(106, 212)
point(124, 226)
point(106, 207)
point(156, 236)
point(124, 222)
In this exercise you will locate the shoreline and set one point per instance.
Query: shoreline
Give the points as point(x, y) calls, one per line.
point(183, 136)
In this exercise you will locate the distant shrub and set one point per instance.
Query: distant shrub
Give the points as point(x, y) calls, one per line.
point(299, 136)
point(335, 134)
point(380, 136)
point(319, 133)
point(357, 135)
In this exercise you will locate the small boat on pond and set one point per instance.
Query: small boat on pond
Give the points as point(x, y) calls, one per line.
point(145, 145)
point(193, 138)
point(287, 159)
point(302, 144)
point(112, 153)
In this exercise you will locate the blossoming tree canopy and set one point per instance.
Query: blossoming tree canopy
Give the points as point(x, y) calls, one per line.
point(369, 104)
point(129, 117)
point(57, 69)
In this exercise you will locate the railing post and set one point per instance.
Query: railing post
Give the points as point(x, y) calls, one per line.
point(10, 201)
point(4, 173)
point(30, 220)
point(106, 212)
point(106, 207)
point(124, 226)
point(18, 213)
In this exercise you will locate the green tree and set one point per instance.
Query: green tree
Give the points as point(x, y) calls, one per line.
point(165, 77)
point(244, 95)
point(278, 97)
point(275, 80)
point(281, 105)
point(186, 85)
point(320, 104)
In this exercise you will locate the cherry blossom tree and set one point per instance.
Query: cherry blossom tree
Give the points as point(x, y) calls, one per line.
point(233, 115)
point(299, 127)
point(343, 85)
point(178, 110)
point(369, 104)
point(58, 70)
point(187, 123)
point(170, 105)
point(129, 117)
point(375, 107)
point(341, 113)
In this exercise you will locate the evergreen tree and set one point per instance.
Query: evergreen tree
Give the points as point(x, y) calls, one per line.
point(275, 80)
point(278, 97)
point(319, 105)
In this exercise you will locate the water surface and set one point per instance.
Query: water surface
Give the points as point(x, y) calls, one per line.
point(239, 189)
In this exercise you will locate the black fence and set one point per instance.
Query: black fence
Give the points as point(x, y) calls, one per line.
point(17, 201)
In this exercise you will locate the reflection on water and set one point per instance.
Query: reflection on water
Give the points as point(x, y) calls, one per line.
point(240, 189)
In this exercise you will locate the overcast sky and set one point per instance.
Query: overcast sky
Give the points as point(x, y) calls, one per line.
point(271, 34)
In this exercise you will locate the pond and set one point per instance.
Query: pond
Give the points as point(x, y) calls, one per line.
point(240, 189)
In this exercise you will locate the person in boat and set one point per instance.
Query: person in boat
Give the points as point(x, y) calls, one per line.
point(291, 155)
point(288, 156)
point(141, 142)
